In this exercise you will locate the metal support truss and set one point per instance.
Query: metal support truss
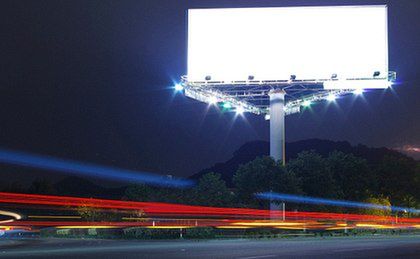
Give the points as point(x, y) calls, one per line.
point(253, 95)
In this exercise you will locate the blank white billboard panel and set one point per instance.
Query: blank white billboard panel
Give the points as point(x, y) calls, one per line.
point(274, 43)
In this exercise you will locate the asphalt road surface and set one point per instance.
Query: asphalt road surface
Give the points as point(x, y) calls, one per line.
point(338, 247)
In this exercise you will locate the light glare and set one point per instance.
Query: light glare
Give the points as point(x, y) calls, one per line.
point(212, 100)
point(359, 91)
point(331, 97)
point(240, 110)
point(178, 87)
point(227, 105)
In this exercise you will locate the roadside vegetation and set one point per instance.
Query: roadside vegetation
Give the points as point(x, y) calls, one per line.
point(395, 180)
point(341, 176)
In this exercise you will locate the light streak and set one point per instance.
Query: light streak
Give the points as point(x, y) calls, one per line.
point(54, 217)
point(269, 224)
point(223, 224)
point(126, 218)
point(7, 221)
point(11, 214)
point(15, 216)
point(8, 228)
point(317, 201)
point(233, 227)
point(338, 228)
point(73, 167)
point(91, 226)
point(169, 227)
point(342, 224)
point(222, 216)
point(291, 228)
point(376, 226)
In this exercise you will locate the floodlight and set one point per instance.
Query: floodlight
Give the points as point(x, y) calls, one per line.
point(227, 105)
point(239, 110)
point(212, 100)
point(207, 78)
point(334, 76)
point(267, 117)
point(307, 103)
point(250, 77)
point(292, 77)
point(358, 91)
point(331, 97)
point(376, 73)
point(178, 87)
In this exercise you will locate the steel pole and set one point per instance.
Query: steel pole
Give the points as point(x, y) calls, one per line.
point(277, 143)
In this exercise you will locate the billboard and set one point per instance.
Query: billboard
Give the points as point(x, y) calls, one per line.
point(275, 43)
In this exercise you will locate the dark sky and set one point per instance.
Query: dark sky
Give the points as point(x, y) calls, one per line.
point(90, 81)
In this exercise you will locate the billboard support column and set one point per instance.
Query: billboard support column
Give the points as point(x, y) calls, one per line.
point(277, 144)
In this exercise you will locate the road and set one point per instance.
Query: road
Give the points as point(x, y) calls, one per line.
point(336, 247)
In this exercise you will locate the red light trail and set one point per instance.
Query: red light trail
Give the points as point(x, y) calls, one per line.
point(158, 209)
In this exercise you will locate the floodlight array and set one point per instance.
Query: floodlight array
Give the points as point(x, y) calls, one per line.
point(213, 97)
point(253, 95)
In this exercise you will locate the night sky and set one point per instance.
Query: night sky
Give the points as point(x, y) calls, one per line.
point(91, 81)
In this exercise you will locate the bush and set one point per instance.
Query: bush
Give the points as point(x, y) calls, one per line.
point(150, 233)
point(199, 233)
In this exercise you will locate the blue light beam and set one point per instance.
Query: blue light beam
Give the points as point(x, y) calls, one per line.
point(77, 168)
point(319, 201)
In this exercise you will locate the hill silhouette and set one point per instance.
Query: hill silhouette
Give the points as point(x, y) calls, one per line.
point(83, 187)
point(254, 149)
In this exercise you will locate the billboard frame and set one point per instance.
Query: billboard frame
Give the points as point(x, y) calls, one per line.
point(284, 96)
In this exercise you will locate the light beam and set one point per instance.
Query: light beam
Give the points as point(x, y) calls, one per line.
point(77, 168)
